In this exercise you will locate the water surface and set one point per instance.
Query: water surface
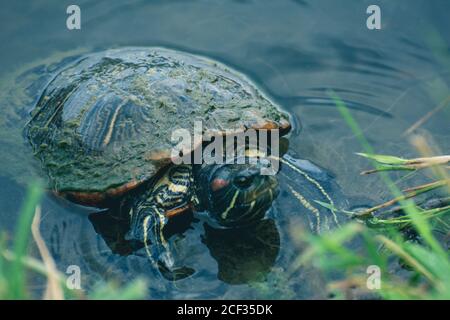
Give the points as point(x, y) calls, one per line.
point(296, 51)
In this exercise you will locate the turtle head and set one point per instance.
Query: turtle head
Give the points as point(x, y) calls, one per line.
point(235, 194)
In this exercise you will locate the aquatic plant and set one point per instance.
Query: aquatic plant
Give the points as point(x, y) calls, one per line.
point(405, 235)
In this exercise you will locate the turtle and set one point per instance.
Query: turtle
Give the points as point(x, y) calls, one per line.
point(102, 126)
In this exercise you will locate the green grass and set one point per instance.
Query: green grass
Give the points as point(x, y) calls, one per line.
point(383, 238)
point(16, 265)
point(12, 274)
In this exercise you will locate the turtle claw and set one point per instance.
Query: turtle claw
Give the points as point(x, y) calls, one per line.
point(167, 259)
point(166, 265)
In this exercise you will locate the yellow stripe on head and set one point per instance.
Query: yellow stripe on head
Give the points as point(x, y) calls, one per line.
point(231, 206)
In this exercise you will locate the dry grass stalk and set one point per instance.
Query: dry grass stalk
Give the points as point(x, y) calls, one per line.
point(427, 116)
point(53, 290)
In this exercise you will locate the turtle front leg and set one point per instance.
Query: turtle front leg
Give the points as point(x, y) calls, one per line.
point(151, 213)
point(147, 227)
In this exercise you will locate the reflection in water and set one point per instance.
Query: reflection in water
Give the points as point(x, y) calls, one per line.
point(243, 254)
point(113, 227)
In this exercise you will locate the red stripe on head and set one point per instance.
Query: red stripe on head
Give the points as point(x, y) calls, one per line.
point(218, 183)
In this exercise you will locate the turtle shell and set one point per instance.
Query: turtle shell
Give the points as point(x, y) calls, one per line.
point(104, 123)
point(20, 89)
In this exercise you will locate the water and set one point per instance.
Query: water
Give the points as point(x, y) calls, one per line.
point(296, 51)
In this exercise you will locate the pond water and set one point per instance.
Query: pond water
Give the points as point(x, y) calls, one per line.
point(296, 51)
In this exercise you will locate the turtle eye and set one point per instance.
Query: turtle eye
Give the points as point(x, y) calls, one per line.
point(243, 182)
